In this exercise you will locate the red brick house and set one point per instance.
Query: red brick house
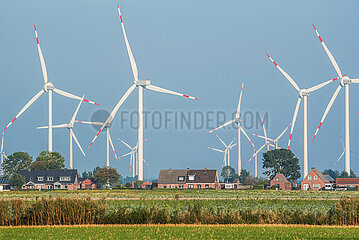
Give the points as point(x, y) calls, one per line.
point(87, 184)
point(189, 179)
point(316, 180)
point(347, 182)
point(280, 181)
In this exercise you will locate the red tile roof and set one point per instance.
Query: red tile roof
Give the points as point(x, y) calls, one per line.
point(347, 180)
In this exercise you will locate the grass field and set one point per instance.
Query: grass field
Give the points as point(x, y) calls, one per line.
point(181, 232)
point(180, 194)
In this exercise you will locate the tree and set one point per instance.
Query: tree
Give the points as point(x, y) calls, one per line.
point(344, 174)
point(244, 175)
point(229, 174)
point(106, 175)
point(90, 174)
point(48, 160)
point(15, 162)
point(16, 181)
point(281, 161)
point(333, 173)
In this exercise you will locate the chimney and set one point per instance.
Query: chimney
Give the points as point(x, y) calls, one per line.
point(170, 170)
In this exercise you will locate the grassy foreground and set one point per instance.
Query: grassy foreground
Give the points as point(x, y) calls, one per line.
point(180, 232)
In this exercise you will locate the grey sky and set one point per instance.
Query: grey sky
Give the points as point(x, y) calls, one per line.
point(200, 48)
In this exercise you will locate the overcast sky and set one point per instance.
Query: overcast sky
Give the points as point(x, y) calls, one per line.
point(200, 48)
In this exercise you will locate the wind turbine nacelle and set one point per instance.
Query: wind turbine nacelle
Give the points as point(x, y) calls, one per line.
point(143, 82)
point(48, 87)
point(345, 81)
point(303, 92)
point(238, 120)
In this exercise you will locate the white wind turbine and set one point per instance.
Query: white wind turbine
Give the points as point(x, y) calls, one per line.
point(274, 141)
point(133, 157)
point(302, 94)
point(226, 159)
point(3, 155)
point(70, 126)
point(141, 84)
point(48, 88)
point(255, 155)
point(345, 81)
point(108, 139)
point(238, 121)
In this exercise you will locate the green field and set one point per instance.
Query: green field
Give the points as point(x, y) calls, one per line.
point(181, 232)
point(180, 194)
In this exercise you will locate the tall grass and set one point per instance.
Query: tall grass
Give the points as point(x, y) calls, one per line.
point(72, 211)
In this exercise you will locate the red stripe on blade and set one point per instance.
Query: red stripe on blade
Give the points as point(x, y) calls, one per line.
point(320, 39)
point(186, 96)
point(37, 40)
point(13, 120)
point(4, 129)
point(98, 133)
point(314, 27)
point(320, 124)
point(290, 136)
point(275, 63)
point(86, 100)
point(121, 19)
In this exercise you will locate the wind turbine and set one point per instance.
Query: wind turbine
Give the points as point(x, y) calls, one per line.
point(345, 81)
point(108, 139)
point(226, 160)
point(141, 84)
point(238, 121)
point(2, 154)
point(274, 141)
point(48, 88)
point(302, 94)
point(70, 126)
point(134, 158)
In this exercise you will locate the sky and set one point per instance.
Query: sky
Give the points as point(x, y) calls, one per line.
point(200, 48)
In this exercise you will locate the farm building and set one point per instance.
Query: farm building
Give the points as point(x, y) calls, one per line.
point(347, 182)
point(50, 179)
point(280, 181)
point(188, 179)
point(316, 180)
point(4, 184)
point(86, 183)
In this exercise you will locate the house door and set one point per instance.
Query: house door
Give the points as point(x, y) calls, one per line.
point(305, 186)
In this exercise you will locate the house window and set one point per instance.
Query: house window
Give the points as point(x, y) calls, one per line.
point(173, 186)
point(181, 186)
point(309, 178)
point(316, 185)
point(181, 178)
point(277, 179)
point(50, 179)
point(199, 186)
point(65, 178)
point(191, 177)
point(207, 186)
point(30, 178)
point(315, 177)
point(190, 186)
point(40, 179)
point(65, 186)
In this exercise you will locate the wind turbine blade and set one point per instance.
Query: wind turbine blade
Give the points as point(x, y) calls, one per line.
point(77, 110)
point(262, 137)
point(245, 134)
point(319, 86)
point(221, 140)
point(280, 135)
point(272, 145)
point(285, 74)
point(232, 145)
point(112, 146)
point(54, 126)
point(126, 154)
point(42, 61)
point(332, 60)
point(5, 156)
point(227, 123)
point(91, 123)
point(215, 149)
point(77, 142)
point(293, 121)
point(162, 90)
point(340, 157)
point(33, 99)
point(264, 130)
point(125, 143)
point(114, 111)
point(354, 80)
point(146, 163)
point(239, 102)
point(341, 140)
point(129, 51)
point(231, 142)
point(260, 149)
point(327, 109)
point(2, 143)
point(69, 95)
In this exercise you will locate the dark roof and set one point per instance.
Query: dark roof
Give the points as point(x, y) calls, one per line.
point(322, 176)
point(282, 177)
point(329, 177)
point(347, 181)
point(31, 176)
point(4, 181)
point(200, 176)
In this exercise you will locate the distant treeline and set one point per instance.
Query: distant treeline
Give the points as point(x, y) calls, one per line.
point(71, 211)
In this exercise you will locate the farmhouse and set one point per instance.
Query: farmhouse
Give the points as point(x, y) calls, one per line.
point(280, 181)
point(347, 182)
point(50, 179)
point(4, 184)
point(86, 183)
point(316, 180)
point(188, 179)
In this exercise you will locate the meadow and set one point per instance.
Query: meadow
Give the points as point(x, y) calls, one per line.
point(180, 232)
